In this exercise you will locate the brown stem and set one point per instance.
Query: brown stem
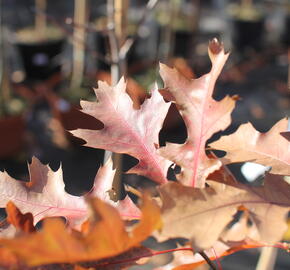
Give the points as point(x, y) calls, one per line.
point(289, 68)
point(120, 16)
point(130, 41)
point(207, 259)
point(40, 17)
point(267, 258)
point(80, 17)
point(117, 70)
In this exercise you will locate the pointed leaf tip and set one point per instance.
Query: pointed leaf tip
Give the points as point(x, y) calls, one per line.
point(215, 47)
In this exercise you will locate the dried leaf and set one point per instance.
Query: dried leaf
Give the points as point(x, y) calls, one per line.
point(134, 132)
point(122, 261)
point(106, 237)
point(247, 144)
point(198, 214)
point(203, 116)
point(203, 214)
point(23, 222)
point(134, 256)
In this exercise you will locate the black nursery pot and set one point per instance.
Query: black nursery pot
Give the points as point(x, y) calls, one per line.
point(248, 34)
point(40, 60)
point(287, 31)
point(183, 42)
point(102, 47)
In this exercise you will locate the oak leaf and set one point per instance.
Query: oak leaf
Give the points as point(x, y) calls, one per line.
point(45, 196)
point(201, 215)
point(126, 130)
point(247, 144)
point(24, 224)
point(203, 116)
point(119, 262)
point(106, 237)
point(122, 261)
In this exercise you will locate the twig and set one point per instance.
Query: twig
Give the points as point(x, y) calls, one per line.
point(74, 39)
point(116, 14)
point(80, 16)
point(40, 18)
point(117, 70)
point(114, 44)
point(207, 259)
point(289, 68)
point(121, 15)
point(267, 258)
point(134, 191)
point(167, 36)
point(130, 41)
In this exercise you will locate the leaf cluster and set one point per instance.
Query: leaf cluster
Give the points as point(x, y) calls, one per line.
point(205, 205)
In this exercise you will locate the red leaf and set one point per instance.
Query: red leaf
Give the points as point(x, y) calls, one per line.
point(45, 196)
point(134, 132)
point(203, 116)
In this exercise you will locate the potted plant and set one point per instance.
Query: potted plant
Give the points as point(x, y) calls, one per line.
point(178, 21)
point(248, 22)
point(39, 45)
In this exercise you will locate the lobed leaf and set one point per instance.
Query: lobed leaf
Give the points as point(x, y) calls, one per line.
point(247, 144)
point(126, 130)
point(45, 196)
point(202, 215)
point(106, 237)
point(203, 116)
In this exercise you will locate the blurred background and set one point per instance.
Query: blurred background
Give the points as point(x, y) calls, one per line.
point(53, 52)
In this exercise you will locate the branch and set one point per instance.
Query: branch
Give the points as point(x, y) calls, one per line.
point(114, 44)
point(267, 258)
point(208, 260)
point(130, 41)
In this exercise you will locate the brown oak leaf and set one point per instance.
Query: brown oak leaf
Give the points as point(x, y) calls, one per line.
point(106, 237)
point(202, 215)
point(247, 144)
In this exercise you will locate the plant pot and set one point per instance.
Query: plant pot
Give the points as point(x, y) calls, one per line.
point(248, 26)
point(102, 49)
point(183, 43)
point(40, 52)
point(287, 31)
point(39, 59)
point(248, 34)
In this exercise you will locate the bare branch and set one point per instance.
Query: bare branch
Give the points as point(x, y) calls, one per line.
point(130, 41)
